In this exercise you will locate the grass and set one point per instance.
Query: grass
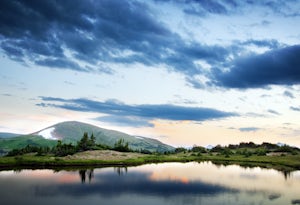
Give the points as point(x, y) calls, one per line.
point(282, 163)
point(22, 141)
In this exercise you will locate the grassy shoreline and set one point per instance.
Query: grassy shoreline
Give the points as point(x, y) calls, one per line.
point(281, 163)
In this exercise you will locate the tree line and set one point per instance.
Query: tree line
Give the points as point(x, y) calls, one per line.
point(62, 149)
point(244, 148)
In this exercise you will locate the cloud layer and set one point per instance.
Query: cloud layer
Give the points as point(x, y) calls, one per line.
point(141, 115)
point(89, 36)
point(276, 67)
point(249, 129)
point(92, 31)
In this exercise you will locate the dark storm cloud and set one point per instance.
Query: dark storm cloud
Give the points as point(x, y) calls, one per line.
point(96, 31)
point(279, 66)
point(210, 53)
point(12, 51)
point(58, 34)
point(91, 30)
point(206, 5)
point(184, 57)
point(286, 8)
point(116, 109)
point(60, 63)
point(276, 67)
point(203, 7)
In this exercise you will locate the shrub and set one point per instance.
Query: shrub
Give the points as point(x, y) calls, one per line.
point(121, 146)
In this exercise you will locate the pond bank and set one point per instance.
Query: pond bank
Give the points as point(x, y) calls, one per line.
point(113, 158)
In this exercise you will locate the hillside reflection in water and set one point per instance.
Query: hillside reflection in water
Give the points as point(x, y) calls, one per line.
point(167, 183)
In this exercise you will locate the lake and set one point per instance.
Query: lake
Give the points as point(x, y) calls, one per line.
point(155, 184)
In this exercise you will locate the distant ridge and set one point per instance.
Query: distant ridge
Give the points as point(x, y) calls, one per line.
point(8, 134)
point(72, 131)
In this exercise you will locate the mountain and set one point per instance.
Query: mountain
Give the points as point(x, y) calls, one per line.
point(7, 144)
point(72, 131)
point(8, 135)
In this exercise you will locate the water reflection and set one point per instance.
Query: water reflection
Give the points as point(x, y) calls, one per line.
point(121, 170)
point(285, 173)
point(168, 183)
point(274, 196)
point(89, 173)
point(83, 173)
point(296, 201)
point(134, 183)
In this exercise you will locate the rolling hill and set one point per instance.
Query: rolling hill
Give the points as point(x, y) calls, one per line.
point(72, 131)
point(8, 135)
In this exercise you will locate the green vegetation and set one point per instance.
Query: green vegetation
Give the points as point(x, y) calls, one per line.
point(61, 149)
point(281, 163)
point(245, 154)
point(72, 132)
point(7, 144)
point(122, 146)
point(8, 135)
point(85, 143)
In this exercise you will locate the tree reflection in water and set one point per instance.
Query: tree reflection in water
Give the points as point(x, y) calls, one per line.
point(89, 173)
point(160, 184)
point(84, 173)
point(121, 170)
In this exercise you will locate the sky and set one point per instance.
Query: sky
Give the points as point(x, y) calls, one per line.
point(185, 72)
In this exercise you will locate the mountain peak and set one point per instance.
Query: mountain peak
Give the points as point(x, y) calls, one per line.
point(71, 123)
point(72, 131)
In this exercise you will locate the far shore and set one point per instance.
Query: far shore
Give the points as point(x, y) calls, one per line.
point(101, 158)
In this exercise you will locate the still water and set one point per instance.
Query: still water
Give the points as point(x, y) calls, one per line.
point(155, 184)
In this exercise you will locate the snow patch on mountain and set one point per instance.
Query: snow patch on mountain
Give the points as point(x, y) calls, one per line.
point(209, 147)
point(47, 133)
point(280, 144)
